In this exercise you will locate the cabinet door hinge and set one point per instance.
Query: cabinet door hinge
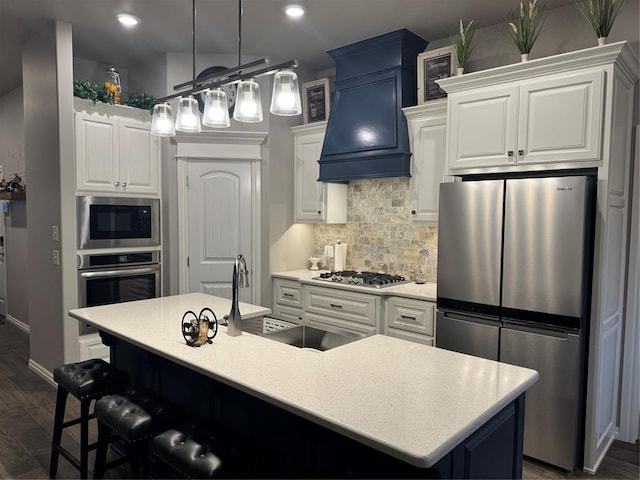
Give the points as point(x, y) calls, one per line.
point(187, 181)
point(188, 262)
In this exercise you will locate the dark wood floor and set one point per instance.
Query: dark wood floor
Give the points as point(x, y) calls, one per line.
point(27, 405)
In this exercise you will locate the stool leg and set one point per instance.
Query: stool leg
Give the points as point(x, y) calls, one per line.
point(84, 437)
point(104, 432)
point(61, 403)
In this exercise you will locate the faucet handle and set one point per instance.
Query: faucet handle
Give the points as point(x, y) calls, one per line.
point(225, 320)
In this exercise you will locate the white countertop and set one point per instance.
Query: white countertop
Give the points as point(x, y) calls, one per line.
point(409, 400)
point(425, 291)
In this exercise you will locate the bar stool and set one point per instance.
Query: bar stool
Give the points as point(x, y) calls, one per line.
point(193, 451)
point(133, 417)
point(87, 381)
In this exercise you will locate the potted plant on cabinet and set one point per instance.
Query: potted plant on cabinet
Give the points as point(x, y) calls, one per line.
point(464, 40)
point(601, 14)
point(525, 27)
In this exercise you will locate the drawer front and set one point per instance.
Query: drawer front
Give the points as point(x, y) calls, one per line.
point(410, 336)
point(410, 315)
point(349, 306)
point(287, 292)
point(290, 314)
point(326, 322)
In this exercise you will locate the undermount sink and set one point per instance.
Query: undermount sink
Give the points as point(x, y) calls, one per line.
point(312, 338)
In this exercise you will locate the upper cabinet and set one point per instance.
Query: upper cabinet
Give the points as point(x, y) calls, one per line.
point(315, 201)
point(115, 153)
point(428, 137)
point(545, 114)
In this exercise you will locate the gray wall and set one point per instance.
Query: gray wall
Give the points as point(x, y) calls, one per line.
point(41, 138)
point(12, 160)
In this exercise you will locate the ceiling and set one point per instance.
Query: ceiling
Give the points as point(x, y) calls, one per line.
point(166, 27)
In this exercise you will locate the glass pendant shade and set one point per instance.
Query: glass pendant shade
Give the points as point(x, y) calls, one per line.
point(248, 102)
point(188, 117)
point(285, 98)
point(216, 111)
point(162, 121)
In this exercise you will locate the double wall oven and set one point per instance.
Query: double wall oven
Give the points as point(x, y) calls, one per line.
point(118, 250)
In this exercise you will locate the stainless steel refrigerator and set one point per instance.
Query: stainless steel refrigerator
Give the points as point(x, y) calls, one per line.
point(514, 282)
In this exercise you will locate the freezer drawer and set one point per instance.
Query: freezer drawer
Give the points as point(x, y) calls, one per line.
point(465, 334)
point(554, 404)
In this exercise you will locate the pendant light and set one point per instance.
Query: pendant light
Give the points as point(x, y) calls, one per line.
point(188, 117)
point(285, 98)
point(216, 113)
point(162, 121)
point(248, 104)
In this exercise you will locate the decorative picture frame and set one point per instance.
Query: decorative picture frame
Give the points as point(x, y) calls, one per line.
point(316, 101)
point(434, 65)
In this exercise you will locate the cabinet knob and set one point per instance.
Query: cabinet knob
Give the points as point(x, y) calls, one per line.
point(510, 153)
point(124, 184)
point(413, 212)
point(520, 152)
point(319, 212)
point(117, 184)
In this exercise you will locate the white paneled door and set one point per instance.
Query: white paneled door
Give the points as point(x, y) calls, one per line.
point(219, 224)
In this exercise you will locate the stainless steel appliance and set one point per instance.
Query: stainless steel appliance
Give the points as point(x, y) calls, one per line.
point(117, 277)
point(118, 222)
point(514, 282)
point(362, 279)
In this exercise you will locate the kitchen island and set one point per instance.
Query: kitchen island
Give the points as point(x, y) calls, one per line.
point(375, 406)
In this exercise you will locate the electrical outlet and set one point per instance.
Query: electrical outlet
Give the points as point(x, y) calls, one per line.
point(328, 250)
point(54, 233)
point(55, 257)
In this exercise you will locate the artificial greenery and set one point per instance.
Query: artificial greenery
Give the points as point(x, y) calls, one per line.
point(140, 100)
point(99, 93)
point(91, 91)
point(525, 27)
point(464, 40)
point(600, 13)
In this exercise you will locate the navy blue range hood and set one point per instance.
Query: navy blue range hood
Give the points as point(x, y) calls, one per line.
point(367, 134)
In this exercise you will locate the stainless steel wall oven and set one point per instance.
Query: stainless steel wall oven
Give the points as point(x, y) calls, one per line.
point(117, 277)
point(118, 222)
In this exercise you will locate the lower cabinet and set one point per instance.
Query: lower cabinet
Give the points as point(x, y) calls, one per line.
point(409, 319)
point(341, 308)
point(365, 313)
point(287, 304)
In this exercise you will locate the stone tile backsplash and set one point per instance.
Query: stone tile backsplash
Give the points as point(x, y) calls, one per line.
point(379, 230)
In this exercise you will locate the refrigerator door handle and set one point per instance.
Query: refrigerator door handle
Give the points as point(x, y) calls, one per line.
point(467, 317)
point(561, 334)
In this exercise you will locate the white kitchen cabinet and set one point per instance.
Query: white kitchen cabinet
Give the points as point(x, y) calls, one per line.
point(315, 201)
point(115, 154)
point(355, 311)
point(428, 138)
point(554, 121)
point(287, 302)
point(409, 319)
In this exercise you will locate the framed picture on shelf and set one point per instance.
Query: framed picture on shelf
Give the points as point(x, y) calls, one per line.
point(434, 65)
point(315, 101)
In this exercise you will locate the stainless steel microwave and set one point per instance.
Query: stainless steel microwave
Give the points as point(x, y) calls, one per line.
point(116, 222)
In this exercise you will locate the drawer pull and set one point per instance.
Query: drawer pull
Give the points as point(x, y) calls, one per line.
point(335, 305)
point(290, 295)
point(407, 317)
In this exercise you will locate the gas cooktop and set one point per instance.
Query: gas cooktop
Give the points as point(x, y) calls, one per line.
point(363, 279)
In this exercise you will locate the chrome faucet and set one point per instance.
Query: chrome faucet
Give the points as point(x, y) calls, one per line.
point(240, 280)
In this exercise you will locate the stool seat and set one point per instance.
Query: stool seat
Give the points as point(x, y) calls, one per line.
point(134, 416)
point(90, 379)
point(192, 450)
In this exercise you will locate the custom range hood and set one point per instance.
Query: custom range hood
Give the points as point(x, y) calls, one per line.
point(367, 134)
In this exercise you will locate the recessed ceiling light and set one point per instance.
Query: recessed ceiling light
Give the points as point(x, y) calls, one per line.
point(294, 10)
point(128, 20)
